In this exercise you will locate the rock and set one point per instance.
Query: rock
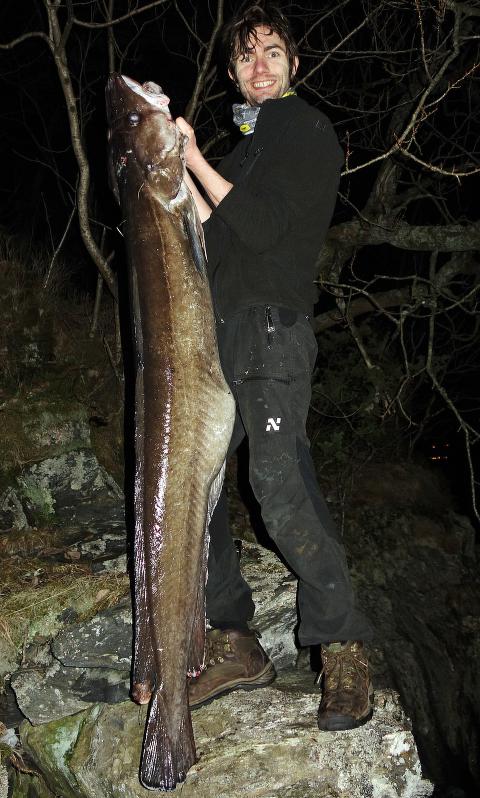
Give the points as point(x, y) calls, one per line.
point(8, 662)
point(55, 430)
point(12, 515)
point(9, 711)
point(89, 661)
point(102, 546)
point(8, 740)
point(8, 737)
point(103, 642)
point(3, 781)
point(47, 694)
point(72, 489)
point(114, 565)
point(416, 576)
point(24, 785)
point(264, 743)
point(274, 593)
point(38, 426)
point(52, 751)
point(86, 663)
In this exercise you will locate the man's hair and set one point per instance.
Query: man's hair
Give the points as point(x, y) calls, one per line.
point(238, 33)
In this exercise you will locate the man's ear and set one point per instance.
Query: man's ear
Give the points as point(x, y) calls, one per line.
point(295, 66)
point(231, 75)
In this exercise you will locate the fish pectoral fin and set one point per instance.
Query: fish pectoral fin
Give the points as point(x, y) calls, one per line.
point(191, 223)
point(168, 753)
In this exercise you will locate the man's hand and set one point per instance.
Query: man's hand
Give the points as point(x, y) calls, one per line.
point(191, 149)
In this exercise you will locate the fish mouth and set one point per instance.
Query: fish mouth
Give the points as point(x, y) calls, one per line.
point(149, 92)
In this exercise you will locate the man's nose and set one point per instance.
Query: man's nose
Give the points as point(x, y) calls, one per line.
point(261, 65)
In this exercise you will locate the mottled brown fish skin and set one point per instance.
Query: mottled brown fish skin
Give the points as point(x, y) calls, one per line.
point(183, 420)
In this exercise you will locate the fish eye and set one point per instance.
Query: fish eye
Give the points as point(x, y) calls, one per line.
point(133, 118)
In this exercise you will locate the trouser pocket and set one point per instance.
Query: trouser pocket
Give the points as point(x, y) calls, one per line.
point(272, 343)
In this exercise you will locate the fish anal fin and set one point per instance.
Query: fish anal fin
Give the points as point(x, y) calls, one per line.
point(166, 759)
point(143, 670)
point(196, 653)
point(215, 491)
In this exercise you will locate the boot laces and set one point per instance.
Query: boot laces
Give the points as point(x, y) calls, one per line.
point(218, 649)
point(343, 670)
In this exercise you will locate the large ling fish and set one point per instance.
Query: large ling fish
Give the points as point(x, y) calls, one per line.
point(183, 418)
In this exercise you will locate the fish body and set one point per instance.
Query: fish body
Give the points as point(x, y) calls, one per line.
point(184, 415)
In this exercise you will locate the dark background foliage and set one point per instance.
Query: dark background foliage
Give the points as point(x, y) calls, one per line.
point(397, 318)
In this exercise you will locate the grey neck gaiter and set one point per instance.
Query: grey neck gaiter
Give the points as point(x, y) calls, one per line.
point(245, 115)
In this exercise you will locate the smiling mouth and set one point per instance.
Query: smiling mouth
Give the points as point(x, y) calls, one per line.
point(263, 84)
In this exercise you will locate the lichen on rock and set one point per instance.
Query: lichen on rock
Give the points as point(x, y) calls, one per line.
point(264, 744)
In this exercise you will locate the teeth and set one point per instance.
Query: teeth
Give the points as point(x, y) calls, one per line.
point(263, 84)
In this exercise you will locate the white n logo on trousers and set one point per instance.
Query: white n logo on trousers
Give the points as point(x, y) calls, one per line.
point(272, 424)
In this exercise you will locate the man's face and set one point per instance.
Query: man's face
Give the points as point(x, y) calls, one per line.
point(263, 72)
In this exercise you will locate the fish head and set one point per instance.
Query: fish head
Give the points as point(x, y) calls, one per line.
point(143, 135)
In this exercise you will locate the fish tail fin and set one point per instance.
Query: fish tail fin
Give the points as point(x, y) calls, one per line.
point(166, 756)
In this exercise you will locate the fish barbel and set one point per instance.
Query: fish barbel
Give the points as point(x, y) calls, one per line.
point(184, 415)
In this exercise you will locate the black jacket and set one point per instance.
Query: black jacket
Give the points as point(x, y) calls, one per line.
point(264, 237)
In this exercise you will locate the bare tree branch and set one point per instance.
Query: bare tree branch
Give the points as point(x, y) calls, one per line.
point(60, 58)
point(359, 306)
point(98, 25)
point(190, 111)
point(37, 34)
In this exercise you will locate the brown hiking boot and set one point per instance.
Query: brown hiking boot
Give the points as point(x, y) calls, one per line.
point(234, 660)
point(347, 693)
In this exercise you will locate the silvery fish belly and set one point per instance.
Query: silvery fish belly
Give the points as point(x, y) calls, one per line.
point(184, 415)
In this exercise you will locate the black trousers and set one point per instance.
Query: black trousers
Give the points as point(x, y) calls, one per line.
point(267, 355)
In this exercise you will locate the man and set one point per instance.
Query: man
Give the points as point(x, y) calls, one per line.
point(268, 210)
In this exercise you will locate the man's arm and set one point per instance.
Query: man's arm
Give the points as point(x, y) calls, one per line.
point(214, 184)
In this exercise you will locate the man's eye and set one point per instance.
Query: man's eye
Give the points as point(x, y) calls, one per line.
point(245, 57)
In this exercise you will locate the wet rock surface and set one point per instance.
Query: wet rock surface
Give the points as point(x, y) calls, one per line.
point(414, 564)
point(38, 434)
point(71, 489)
point(103, 642)
point(55, 692)
point(3, 781)
point(274, 593)
point(89, 661)
point(263, 743)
